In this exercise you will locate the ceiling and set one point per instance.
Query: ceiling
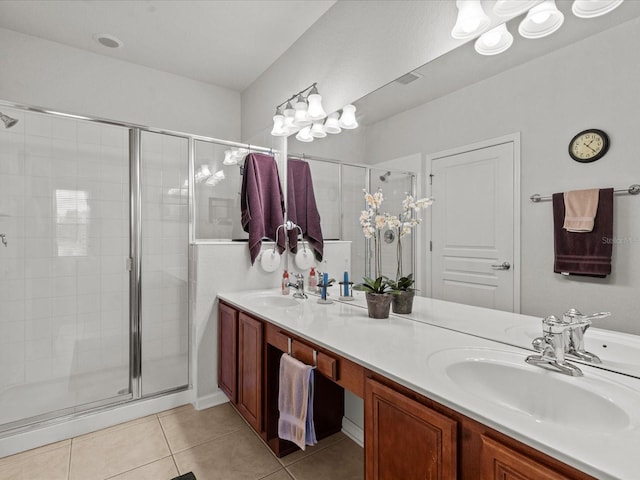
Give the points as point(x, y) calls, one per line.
point(228, 43)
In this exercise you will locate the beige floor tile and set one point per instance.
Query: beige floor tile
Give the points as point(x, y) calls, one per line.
point(321, 445)
point(188, 427)
point(279, 475)
point(50, 462)
point(343, 460)
point(164, 469)
point(237, 456)
point(116, 427)
point(113, 451)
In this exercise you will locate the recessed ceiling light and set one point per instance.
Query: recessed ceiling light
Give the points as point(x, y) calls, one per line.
point(107, 40)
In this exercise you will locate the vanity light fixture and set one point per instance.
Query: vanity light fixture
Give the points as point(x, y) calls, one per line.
point(215, 178)
point(306, 116)
point(542, 20)
point(471, 20)
point(495, 41)
point(513, 8)
point(348, 118)
point(593, 8)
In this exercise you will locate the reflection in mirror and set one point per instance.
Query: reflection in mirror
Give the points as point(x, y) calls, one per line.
point(546, 90)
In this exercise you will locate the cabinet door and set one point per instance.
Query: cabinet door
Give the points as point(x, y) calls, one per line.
point(499, 462)
point(250, 337)
point(405, 439)
point(227, 351)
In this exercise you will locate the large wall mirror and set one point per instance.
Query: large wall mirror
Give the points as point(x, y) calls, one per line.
point(541, 92)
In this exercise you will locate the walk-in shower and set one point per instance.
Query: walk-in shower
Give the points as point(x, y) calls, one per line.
point(94, 274)
point(8, 121)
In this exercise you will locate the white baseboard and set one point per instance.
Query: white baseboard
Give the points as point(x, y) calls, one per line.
point(353, 431)
point(217, 398)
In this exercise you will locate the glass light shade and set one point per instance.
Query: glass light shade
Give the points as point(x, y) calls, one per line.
point(513, 8)
point(471, 20)
point(304, 135)
point(495, 41)
point(278, 127)
point(289, 116)
point(315, 112)
point(331, 124)
point(229, 159)
point(348, 118)
point(301, 118)
point(317, 130)
point(542, 20)
point(593, 8)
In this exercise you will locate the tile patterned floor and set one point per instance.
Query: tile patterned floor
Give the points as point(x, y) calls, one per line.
point(216, 444)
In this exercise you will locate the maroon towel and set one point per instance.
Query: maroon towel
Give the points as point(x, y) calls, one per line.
point(261, 202)
point(584, 253)
point(302, 209)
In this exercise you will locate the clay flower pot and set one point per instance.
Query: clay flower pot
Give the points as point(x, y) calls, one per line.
point(403, 301)
point(378, 304)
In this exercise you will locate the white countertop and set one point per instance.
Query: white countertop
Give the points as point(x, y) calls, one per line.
point(401, 349)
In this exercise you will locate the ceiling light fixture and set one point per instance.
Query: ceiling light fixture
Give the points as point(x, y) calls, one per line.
point(471, 20)
point(495, 41)
point(304, 135)
point(331, 124)
point(542, 20)
point(593, 8)
point(348, 118)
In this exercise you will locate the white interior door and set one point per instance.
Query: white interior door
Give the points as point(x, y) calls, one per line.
point(473, 227)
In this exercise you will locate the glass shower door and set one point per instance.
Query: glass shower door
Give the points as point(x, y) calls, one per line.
point(64, 282)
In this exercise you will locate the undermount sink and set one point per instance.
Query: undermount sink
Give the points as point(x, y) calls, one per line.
point(276, 300)
point(500, 379)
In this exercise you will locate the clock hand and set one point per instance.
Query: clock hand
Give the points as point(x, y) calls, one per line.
point(590, 148)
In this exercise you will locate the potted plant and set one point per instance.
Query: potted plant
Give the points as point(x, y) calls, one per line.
point(403, 293)
point(378, 294)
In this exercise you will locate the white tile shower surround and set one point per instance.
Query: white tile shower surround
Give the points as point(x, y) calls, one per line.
point(64, 206)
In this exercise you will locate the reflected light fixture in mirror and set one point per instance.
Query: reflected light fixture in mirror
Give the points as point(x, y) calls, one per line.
point(304, 135)
point(289, 117)
point(315, 111)
point(331, 124)
point(317, 130)
point(278, 129)
point(301, 117)
point(471, 20)
point(513, 8)
point(542, 20)
point(593, 8)
point(495, 41)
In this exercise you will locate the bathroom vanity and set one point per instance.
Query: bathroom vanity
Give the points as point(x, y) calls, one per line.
point(421, 420)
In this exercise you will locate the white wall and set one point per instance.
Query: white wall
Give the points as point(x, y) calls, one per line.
point(592, 83)
point(46, 74)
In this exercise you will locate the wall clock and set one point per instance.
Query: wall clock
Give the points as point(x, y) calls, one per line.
point(589, 145)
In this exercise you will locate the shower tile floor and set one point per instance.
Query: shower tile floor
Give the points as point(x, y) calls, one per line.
point(215, 444)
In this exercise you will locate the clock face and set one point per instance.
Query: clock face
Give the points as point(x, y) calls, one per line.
point(589, 146)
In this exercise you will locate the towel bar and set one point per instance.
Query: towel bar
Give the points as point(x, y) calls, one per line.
point(632, 190)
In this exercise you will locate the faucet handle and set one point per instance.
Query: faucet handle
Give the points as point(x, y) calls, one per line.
point(299, 276)
point(573, 316)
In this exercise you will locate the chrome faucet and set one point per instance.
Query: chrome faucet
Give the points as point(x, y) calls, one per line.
point(299, 286)
point(552, 345)
point(574, 337)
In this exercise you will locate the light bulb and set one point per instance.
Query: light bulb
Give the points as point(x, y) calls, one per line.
point(317, 130)
point(331, 124)
point(304, 135)
point(471, 20)
point(348, 118)
point(593, 8)
point(540, 17)
point(315, 112)
point(278, 125)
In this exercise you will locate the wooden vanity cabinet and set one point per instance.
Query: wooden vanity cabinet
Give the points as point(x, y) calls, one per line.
point(406, 439)
point(228, 351)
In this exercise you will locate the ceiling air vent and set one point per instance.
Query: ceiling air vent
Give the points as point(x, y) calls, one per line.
point(408, 78)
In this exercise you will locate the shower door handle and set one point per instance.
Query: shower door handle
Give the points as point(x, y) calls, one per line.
point(3, 237)
point(502, 266)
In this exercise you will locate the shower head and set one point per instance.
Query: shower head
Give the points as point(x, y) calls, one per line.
point(383, 178)
point(8, 121)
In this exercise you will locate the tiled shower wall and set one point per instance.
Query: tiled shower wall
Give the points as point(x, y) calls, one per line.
point(63, 281)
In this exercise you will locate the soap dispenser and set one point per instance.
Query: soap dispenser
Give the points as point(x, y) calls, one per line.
point(285, 283)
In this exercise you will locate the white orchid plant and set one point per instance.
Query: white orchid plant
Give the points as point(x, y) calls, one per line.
point(372, 221)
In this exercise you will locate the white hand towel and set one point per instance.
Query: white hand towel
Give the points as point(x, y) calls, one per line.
point(293, 400)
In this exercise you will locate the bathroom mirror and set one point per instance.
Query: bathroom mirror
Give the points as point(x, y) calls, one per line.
point(582, 76)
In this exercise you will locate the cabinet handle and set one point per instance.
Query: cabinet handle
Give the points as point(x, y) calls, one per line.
point(502, 266)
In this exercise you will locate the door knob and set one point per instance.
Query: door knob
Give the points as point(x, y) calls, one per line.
point(502, 266)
